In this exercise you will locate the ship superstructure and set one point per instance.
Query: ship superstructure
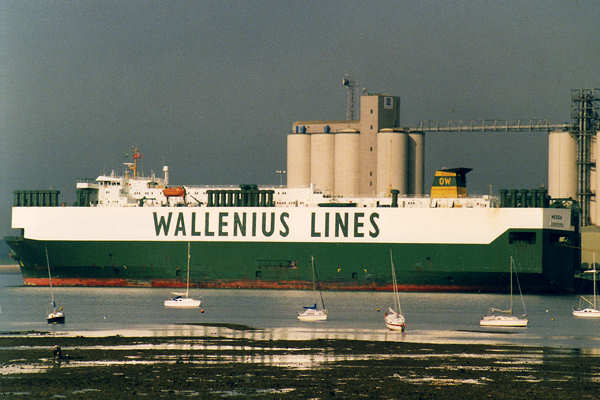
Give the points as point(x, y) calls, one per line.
point(125, 191)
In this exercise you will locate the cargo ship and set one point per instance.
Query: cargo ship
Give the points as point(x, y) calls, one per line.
point(348, 203)
point(133, 231)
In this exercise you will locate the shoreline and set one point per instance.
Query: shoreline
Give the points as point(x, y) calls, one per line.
point(476, 337)
point(213, 367)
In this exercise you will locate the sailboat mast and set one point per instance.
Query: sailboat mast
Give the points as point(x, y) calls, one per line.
point(394, 283)
point(187, 288)
point(312, 263)
point(595, 293)
point(49, 277)
point(511, 286)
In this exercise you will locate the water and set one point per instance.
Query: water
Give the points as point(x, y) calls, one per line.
point(431, 317)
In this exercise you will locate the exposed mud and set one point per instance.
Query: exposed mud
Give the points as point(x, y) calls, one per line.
point(219, 367)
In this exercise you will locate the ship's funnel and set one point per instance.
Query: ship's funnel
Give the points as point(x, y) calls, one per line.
point(450, 183)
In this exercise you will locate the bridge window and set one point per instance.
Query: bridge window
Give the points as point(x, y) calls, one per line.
point(521, 238)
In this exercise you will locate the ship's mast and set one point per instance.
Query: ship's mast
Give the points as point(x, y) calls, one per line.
point(133, 166)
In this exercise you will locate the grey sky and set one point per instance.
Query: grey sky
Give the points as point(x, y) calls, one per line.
point(212, 87)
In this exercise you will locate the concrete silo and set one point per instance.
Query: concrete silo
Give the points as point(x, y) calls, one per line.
point(346, 169)
point(298, 160)
point(392, 152)
point(322, 155)
point(416, 163)
point(562, 165)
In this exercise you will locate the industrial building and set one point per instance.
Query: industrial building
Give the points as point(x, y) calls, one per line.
point(358, 158)
point(371, 156)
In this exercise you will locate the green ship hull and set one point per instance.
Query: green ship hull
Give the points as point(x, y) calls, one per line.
point(542, 264)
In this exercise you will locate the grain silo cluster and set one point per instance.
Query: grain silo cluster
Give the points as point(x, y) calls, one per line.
point(358, 158)
point(562, 165)
point(566, 174)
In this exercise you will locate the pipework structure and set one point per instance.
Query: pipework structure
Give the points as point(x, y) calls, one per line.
point(490, 125)
point(585, 125)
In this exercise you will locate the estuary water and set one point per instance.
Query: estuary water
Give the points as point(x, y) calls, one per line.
point(431, 317)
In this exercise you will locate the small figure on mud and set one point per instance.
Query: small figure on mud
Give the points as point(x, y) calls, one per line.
point(59, 356)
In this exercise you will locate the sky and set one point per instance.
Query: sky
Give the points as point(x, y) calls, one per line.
point(212, 88)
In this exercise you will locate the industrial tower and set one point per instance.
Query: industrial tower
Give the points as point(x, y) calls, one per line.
point(350, 86)
point(585, 123)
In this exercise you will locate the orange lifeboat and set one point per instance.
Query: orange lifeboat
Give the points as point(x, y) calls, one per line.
point(177, 191)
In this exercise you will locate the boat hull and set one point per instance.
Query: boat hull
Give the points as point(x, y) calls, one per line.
point(182, 303)
point(510, 321)
point(311, 315)
point(395, 327)
point(56, 318)
point(395, 321)
point(587, 313)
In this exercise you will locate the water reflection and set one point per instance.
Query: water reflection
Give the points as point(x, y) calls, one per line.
point(590, 345)
point(221, 345)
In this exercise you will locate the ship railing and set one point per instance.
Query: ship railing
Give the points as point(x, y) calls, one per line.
point(221, 186)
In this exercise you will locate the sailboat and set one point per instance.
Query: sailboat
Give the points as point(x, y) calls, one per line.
point(56, 316)
point(312, 313)
point(395, 320)
point(183, 300)
point(506, 318)
point(593, 311)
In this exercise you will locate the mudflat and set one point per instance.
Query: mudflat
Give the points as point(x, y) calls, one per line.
point(32, 366)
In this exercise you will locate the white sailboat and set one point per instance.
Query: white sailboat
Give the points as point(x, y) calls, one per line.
point(183, 300)
point(312, 313)
point(592, 310)
point(506, 318)
point(57, 315)
point(395, 320)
